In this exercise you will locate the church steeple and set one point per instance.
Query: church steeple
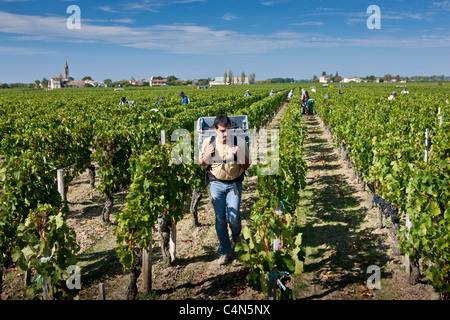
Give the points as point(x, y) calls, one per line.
point(66, 71)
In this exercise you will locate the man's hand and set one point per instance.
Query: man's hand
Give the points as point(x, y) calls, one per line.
point(209, 151)
point(241, 158)
point(205, 159)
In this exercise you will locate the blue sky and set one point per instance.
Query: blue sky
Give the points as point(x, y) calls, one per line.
point(204, 38)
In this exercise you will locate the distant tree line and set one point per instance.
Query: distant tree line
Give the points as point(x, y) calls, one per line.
point(230, 78)
point(174, 81)
point(280, 80)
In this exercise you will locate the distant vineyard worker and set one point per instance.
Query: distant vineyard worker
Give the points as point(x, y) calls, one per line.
point(160, 100)
point(393, 96)
point(305, 98)
point(247, 93)
point(184, 99)
point(310, 104)
point(290, 95)
point(225, 178)
point(125, 101)
point(271, 93)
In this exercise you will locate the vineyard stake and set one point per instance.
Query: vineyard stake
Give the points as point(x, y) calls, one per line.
point(163, 137)
point(407, 261)
point(439, 117)
point(173, 240)
point(147, 269)
point(45, 289)
point(101, 288)
point(272, 289)
point(427, 147)
point(273, 281)
point(60, 178)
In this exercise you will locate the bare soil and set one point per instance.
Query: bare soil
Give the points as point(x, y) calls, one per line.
point(339, 230)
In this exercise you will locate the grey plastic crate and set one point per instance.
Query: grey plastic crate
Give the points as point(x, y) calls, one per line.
point(205, 128)
point(207, 123)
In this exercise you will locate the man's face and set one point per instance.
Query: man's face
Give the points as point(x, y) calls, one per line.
point(222, 133)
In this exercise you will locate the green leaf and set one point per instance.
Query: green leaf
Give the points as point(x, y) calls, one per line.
point(59, 219)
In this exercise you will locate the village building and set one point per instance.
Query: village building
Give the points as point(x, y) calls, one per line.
point(325, 79)
point(223, 81)
point(354, 79)
point(68, 82)
point(158, 81)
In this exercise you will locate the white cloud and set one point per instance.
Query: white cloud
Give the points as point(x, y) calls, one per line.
point(443, 5)
point(24, 51)
point(229, 17)
point(108, 9)
point(273, 2)
point(326, 9)
point(191, 38)
point(309, 23)
point(124, 20)
point(188, 1)
point(139, 6)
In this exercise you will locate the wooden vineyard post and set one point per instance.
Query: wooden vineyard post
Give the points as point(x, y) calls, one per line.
point(407, 261)
point(147, 269)
point(172, 224)
point(439, 117)
point(273, 280)
point(46, 289)
point(60, 178)
point(412, 267)
point(173, 240)
point(163, 137)
point(101, 289)
point(272, 288)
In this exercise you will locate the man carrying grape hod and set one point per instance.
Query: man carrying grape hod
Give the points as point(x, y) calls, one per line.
point(225, 170)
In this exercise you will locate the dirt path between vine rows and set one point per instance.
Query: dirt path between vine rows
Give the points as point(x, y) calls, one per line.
point(341, 234)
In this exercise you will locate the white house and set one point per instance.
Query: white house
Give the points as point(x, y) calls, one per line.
point(354, 79)
point(218, 81)
point(325, 79)
point(96, 83)
point(158, 82)
point(56, 82)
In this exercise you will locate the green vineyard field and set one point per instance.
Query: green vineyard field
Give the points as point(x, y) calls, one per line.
point(77, 129)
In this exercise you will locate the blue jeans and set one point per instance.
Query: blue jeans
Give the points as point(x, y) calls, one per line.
point(226, 206)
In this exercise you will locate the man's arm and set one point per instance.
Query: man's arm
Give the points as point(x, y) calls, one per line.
point(205, 158)
point(243, 159)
